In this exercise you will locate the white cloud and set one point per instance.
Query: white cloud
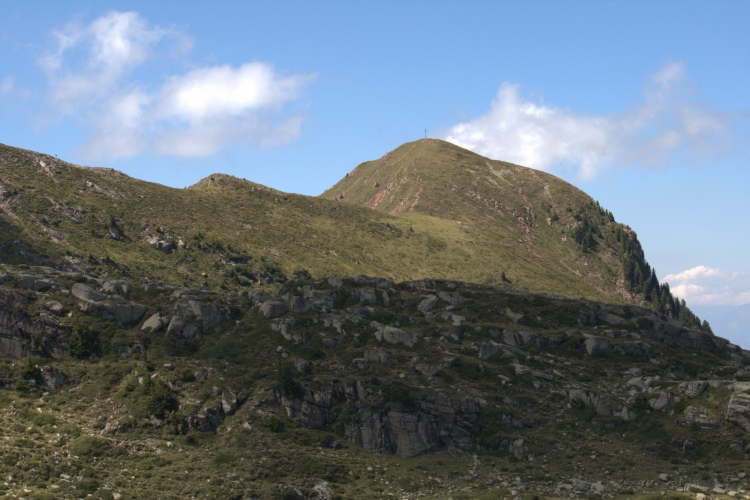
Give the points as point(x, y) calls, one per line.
point(707, 286)
point(547, 137)
point(196, 113)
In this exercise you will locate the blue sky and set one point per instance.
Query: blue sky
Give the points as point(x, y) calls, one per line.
point(643, 105)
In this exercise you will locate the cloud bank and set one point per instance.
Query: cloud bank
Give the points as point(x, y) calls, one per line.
point(96, 74)
point(707, 286)
point(545, 137)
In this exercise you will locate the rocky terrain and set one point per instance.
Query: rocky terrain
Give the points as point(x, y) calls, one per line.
point(359, 387)
point(436, 325)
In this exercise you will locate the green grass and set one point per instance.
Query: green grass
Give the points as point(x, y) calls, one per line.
point(264, 233)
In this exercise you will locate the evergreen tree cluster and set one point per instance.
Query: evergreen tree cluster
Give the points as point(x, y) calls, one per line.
point(597, 228)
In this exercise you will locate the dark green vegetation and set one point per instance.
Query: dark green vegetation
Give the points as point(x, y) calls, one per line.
point(190, 344)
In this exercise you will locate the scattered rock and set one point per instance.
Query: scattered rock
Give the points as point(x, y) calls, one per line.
point(597, 346)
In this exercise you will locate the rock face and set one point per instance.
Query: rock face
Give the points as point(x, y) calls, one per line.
point(17, 331)
point(738, 410)
point(603, 405)
point(406, 429)
point(701, 417)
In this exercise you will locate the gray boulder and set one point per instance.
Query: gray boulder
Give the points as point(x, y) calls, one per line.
point(228, 402)
point(52, 377)
point(116, 287)
point(393, 335)
point(428, 304)
point(597, 346)
point(663, 403)
point(54, 307)
point(259, 296)
point(428, 370)
point(487, 349)
point(86, 293)
point(273, 308)
point(176, 324)
point(299, 305)
point(519, 450)
point(701, 417)
point(126, 314)
point(207, 314)
point(366, 295)
point(693, 388)
point(155, 323)
point(34, 282)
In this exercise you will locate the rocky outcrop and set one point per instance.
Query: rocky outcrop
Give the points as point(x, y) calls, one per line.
point(694, 388)
point(738, 410)
point(663, 403)
point(524, 339)
point(406, 428)
point(433, 424)
point(179, 326)
point(21, 335)
point(393, 335)
point(603, 405)
point(12, 298)
point(121, 312)
point(34, 282)
point(428, 304)
point(701, 417)
point(52, 378)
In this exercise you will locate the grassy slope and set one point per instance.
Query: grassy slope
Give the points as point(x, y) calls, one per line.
point(513, 219)
point(444, 213)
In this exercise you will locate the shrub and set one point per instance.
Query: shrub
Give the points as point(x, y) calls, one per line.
point(92, 446)
point(287, 382)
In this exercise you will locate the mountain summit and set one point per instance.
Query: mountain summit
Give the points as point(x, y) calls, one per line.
point(428, 209)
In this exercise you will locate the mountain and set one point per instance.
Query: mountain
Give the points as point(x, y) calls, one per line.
point(436, 325)
point(475, 219)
